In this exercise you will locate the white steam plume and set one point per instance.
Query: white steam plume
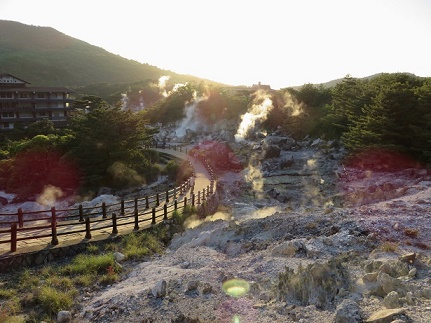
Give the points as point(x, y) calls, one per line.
point(50, 195)
point(162, 85)
point(293, 107)
point(255, 177)
point(124, 101)
point(191, 121)
point(262, 105)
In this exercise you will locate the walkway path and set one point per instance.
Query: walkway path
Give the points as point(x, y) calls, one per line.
point(202, 177)
point(202, 181)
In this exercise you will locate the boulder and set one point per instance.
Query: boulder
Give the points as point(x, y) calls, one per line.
point(289, 248)
point(271, 151)
point(64, 317)
point(285, 143)
point(348, 312)
point(119, 257)
point(392, 300)
point(3, 201)
point(286, 162)
point(159, 290)
point(192, 285)
point(384, 316)
point(408, 258)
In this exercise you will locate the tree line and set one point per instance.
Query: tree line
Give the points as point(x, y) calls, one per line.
point(103, 144)
point(389, 112)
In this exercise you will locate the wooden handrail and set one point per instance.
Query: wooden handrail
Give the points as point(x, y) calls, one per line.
point(70, 222)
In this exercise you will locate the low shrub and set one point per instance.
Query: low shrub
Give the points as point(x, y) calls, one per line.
point(53, 300)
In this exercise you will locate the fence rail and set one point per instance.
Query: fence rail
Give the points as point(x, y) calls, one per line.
point(140, 213)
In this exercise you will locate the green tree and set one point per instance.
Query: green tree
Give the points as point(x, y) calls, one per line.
point(108, 146)
point(171, 108)
point(397, 116)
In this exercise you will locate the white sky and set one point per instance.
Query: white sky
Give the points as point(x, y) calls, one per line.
point(278, 42)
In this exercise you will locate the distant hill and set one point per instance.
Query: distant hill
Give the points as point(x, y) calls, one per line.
point(44, 56)
point(333, 83)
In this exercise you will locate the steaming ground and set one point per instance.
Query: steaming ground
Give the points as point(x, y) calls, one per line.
point(255, 238)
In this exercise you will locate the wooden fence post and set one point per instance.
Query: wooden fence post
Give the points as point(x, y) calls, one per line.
point(157, 199)
point(122, 207)
point(203, 195)
point(199, 197)
point(175, 193)
point(175, 204)
point(20, 218)
point(167, 196)
point(153, 211)
point(81, 213)
point(54, 240)
point(136, 219)
point(208, 191)
point(185, 201)
point(114, 223)
point(87, 228)
point(147, 203)
point(193, 199)
point(104, 210)
point(13, 233)
point(165, 212)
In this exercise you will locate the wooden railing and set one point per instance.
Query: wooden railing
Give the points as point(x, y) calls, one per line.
point(140, 212)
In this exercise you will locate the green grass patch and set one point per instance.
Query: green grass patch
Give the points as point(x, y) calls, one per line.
point(89, 264)
point(85, 280)
point(138, 245)
point(53, 300)
point(39, 293)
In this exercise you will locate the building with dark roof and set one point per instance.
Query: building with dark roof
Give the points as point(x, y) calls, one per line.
point(20, 103)
point(260, 86)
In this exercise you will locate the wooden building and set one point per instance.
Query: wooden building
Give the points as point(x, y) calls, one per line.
point(20, 103)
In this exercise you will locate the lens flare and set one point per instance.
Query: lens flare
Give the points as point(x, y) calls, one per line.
point(236, 287)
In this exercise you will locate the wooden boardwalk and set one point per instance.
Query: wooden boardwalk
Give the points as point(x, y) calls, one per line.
point(95, 228)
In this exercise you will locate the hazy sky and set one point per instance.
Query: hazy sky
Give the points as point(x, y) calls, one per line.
point(277, 42)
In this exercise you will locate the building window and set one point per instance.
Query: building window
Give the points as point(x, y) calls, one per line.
point(23, 105)
point(41, 95)
point(8, 115)
point(24, 95)
point(6, 95)
point(25, 115)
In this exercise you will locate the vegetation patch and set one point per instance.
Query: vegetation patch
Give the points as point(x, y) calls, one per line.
point(40, 293)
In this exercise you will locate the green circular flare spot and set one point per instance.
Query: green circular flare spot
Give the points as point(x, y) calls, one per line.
point(236, 287)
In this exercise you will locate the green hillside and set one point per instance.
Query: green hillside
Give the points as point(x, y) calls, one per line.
point(46, 57)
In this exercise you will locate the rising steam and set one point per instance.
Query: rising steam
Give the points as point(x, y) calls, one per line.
point(255, 177)
point(191, 121)
point(292, 106)
point(262, 105)
point(50, 195)
point(162, 85)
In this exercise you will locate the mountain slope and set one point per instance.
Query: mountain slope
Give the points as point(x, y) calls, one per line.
point(45, 56)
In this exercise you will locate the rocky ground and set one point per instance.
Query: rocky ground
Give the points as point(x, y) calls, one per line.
point(299, 238)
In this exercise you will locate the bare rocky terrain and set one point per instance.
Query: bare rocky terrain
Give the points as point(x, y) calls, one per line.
point(299, 237)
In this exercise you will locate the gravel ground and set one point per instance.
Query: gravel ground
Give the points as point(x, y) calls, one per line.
point(255, 240)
